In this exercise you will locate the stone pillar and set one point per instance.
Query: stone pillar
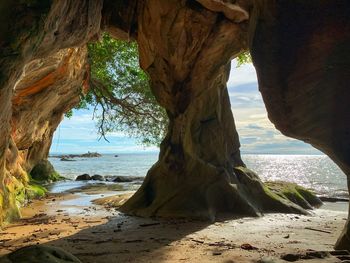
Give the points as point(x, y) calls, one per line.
point(186, 50)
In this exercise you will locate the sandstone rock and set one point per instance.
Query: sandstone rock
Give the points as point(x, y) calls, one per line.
point(295, 193)
point(188, 64)
point(42, 73)
point(231, 10)
point(83, 177)
point(301, 52)
point(40, 254)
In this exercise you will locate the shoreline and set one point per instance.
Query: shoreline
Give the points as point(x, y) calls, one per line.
point(72, 221)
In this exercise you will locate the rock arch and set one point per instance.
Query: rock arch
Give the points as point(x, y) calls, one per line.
point(185, 46)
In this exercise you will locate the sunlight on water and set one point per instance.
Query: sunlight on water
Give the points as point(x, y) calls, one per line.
point(312, 171)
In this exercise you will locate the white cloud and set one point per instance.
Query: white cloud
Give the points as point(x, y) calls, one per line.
point(257, 133)
point(242, 75)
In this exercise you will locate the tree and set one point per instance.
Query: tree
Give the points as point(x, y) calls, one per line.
point(120, 93)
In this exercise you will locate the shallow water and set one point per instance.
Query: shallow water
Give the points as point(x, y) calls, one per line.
point(312, 171)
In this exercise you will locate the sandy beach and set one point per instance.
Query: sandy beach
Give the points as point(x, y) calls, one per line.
point(95, 233)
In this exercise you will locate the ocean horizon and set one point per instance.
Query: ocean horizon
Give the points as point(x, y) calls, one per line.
point(315, 171)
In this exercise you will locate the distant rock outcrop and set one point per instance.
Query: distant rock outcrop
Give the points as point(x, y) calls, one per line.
point(69, 157)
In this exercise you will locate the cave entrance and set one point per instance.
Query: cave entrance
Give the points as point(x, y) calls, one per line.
point(117, 116)
point(199, 172)
point(269, 153)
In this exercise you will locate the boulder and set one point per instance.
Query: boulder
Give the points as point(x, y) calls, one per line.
point(40, 254)
point(97, 177)
point(83, 177)
point(64, 159)
point(127, 179)
point(45, 172)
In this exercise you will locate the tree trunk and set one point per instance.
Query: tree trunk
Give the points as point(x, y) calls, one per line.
point(187, 52)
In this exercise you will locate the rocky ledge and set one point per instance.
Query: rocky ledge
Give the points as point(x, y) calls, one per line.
point(68, 157)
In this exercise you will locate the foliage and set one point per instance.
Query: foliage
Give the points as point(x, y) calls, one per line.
point(243, 58)
point(120, 93)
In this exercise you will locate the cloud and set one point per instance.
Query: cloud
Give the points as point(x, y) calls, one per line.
point(257, 133)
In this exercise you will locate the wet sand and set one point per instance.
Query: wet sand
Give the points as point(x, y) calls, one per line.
point(95, 233)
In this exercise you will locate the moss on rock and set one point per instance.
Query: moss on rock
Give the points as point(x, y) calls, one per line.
point(295, 193)
point(40, 253)
point(45, 172)
point(34, 191)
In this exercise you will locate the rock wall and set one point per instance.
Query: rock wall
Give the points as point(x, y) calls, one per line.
point(53, 84)
point(41, 76)
point(301, 51)
point(47, 89)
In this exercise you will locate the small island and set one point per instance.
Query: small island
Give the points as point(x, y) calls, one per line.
point(69, 157)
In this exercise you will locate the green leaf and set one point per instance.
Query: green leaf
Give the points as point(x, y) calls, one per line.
point(120, 91)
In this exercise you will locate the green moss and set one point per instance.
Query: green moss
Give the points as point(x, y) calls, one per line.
point(295, 193)
point(11, 208)
point(309, 196)
point(17, 192)
point(259, 194)
point(21, 196)
point(44, 172)
point(34, 191)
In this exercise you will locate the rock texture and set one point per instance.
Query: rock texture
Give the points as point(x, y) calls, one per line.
point(39, 254)
point(301, 51)
point(186, 50)
point(43, 71)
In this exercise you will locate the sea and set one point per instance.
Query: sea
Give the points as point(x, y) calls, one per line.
point(317, 172)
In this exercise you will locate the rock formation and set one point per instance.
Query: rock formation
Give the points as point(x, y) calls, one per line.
point(195, 175)
point(300, 50)
point(43, 71)
point(40, 253)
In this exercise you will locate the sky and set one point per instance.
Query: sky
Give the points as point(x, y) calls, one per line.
point(257, 134)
